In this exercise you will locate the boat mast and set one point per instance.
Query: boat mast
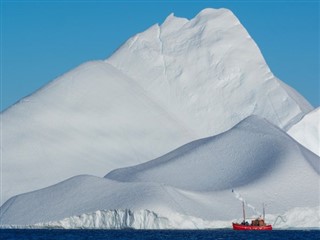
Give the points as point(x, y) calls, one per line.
point(243, 211)
point(264, 212)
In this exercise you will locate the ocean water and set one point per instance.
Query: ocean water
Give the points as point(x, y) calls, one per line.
point(47, 234)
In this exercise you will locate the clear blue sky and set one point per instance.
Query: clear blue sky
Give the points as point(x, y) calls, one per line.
point(41, 40)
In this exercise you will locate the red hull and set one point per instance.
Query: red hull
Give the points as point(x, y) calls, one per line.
point(237, 226)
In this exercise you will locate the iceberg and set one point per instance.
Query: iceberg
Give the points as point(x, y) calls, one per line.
point(174, 83)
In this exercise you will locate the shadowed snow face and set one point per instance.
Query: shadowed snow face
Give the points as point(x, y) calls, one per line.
point(243, 155)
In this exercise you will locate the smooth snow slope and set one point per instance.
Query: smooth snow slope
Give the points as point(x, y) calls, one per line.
point(172, 84)
point(93, 129)
point(275, 170)
point(307, 131)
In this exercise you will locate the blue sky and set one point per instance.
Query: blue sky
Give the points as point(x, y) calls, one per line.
point(41, 40)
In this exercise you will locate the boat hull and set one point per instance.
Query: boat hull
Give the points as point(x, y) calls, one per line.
point(237, 226)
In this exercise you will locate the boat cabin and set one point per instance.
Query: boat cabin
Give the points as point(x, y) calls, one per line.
point(258, 222)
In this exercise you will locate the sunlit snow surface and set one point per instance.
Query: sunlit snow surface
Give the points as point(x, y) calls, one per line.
point(307, 131)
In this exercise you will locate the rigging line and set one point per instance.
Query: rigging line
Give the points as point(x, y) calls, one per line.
point(282, 218)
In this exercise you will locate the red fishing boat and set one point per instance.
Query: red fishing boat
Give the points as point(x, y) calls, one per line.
point(239, 226)
point(256, 224)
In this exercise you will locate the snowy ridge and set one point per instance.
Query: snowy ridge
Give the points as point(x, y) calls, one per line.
point(145, 219)
point(307, 131)
point(207, 65)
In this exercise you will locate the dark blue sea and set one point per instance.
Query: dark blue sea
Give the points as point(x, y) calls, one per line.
point(158, 234)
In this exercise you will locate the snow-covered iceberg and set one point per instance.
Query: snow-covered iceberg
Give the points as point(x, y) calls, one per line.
point(169, 85)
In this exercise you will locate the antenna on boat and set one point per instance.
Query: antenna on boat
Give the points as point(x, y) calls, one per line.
point(244, 212)
point(264, 211)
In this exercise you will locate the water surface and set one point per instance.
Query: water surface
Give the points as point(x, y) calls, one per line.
point(42, 234)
